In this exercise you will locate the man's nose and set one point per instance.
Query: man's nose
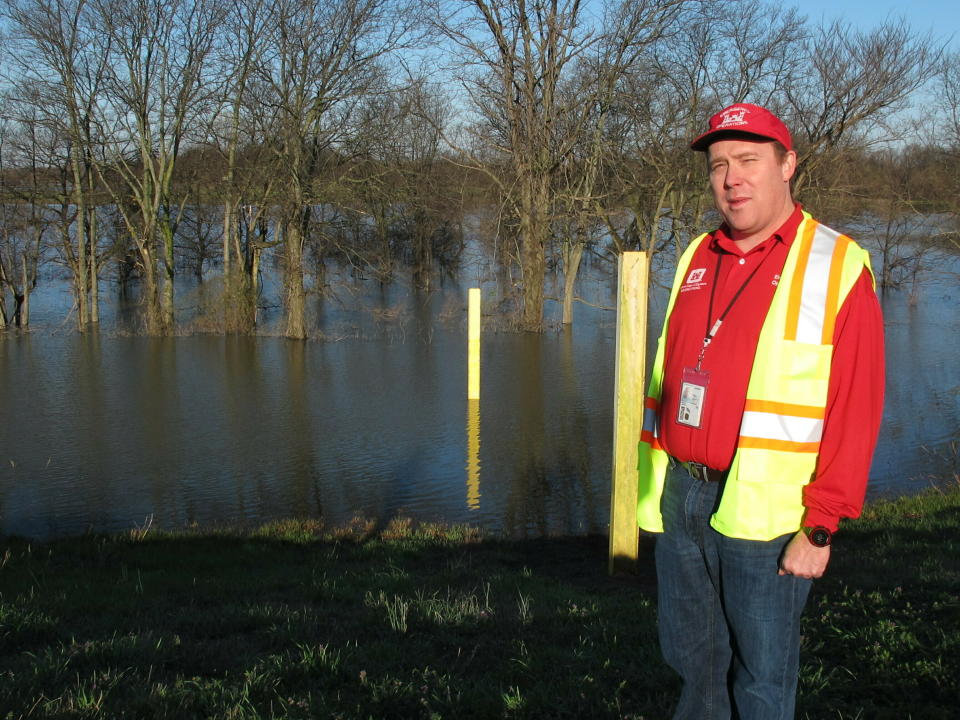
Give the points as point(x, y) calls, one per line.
point(731, 178)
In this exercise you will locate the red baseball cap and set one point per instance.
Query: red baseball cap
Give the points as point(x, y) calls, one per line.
point(745, 118)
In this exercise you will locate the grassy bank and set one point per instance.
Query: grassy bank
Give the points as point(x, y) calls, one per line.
point(297, 621)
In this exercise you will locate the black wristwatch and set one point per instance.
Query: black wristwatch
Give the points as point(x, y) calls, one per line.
point(819, 535)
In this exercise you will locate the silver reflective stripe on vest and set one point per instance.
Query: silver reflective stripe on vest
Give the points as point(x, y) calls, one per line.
point(774, 426)
point(649, 421)
point(816, 279)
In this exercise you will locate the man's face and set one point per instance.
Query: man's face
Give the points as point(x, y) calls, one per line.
point(751, 186)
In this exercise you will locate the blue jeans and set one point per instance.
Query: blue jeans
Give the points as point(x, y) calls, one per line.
point(728, 623)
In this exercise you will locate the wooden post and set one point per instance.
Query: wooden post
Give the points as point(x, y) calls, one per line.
point(473, 346)
point(629, 385)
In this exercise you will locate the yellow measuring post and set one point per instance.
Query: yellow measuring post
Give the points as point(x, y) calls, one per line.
point(473, 345)
point(629, 382)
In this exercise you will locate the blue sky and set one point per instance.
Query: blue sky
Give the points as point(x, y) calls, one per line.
point(941, 17)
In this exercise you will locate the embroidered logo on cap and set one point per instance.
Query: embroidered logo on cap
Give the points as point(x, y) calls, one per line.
point(734, 116)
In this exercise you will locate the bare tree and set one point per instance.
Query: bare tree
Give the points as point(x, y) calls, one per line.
point(947, 139)
point(158, 93)
point(29, 150)
point(631, 33)
point(22, 228)
point(852, 86)
point(399, 179)
point(318, 59)
point(521, 54)
point(58, 61)
point(237, 135)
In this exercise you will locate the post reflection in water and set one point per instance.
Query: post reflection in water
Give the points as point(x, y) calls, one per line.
point(473, 454)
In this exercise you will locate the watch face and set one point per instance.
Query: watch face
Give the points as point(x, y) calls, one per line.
point(820, 537)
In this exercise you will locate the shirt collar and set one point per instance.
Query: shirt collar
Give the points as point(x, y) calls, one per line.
point(721, 240)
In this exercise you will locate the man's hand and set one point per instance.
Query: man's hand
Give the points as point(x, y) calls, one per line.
point(804, 559)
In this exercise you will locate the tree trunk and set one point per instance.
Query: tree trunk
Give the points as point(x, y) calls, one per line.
point(253, 289)
point(534, 231)
point(83, 314)
point(228, 231)
point(572, 255)
point(25, 308)
point(151, 298)
point(423, 255)
point(166, 300)
point(94, 274)
point(293, 281)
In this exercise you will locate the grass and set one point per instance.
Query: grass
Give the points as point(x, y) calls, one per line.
point(295, 620)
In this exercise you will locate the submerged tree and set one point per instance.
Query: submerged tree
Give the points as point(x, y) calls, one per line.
point(23, 223)
point(947, 139)
point(158, 94)
point(318, 61)
point(58, 59)
point(515, 58)
point(400, 180)
point(237, 133)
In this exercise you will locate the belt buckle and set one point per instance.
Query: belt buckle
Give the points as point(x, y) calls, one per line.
point(697, 471)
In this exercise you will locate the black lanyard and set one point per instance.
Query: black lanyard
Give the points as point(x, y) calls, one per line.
point(712, 331)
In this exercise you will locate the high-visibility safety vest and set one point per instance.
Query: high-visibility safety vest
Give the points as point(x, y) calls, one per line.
point(782, 422)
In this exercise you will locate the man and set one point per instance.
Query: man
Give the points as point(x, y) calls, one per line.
point(761, 418)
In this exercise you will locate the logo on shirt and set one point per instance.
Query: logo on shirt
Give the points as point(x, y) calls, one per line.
point(776, 280)
point(694, 280)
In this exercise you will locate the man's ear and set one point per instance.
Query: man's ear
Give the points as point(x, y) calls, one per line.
point(789, 165)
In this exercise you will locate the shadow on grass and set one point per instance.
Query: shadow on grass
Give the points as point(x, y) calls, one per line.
point(407, 621)
point(293, 621)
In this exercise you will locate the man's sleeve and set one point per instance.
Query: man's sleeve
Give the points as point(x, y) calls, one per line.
point(854, 410)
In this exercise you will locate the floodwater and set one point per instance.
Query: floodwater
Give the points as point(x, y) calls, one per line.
point(109, 432)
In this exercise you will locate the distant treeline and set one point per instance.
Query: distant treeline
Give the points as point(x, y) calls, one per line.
point(148, 138)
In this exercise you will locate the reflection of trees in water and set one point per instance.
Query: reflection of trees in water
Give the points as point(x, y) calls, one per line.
point(299, 453)
point(555, 496)
point(550, 489)
point(528, 489)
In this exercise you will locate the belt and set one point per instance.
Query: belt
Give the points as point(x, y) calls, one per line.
point(704, 473)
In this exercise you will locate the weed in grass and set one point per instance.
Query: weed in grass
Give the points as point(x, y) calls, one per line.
point(87, 698)
point(318, 657)
point(523, 654)
point(398, 609)
point(455, 608)
point(140, 532)
point(525, 605)
point(513, 700)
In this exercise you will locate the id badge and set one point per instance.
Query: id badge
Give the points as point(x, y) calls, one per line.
point(693, 396)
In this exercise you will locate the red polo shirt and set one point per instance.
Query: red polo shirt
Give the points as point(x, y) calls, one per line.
point(855, 395)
